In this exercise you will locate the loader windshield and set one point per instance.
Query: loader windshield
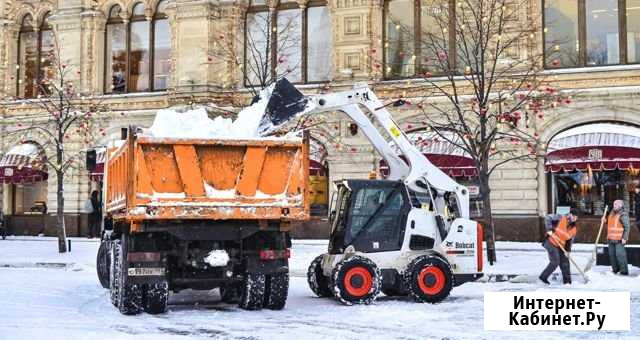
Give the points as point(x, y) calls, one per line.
point(372, 219)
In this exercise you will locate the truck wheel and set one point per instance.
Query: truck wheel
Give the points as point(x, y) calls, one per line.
point(156, 297)
point(318, 283)
point(103, 263)
point(276, 290)
point(114, 277)
point(129, 294)
point(356, 280)
point(428, 278)
point(253, 289)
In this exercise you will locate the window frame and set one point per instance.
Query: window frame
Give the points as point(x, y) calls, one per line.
point(582, 37)
point(417, 39)
point(274, 37)
point(157, 15)
point(42, 27)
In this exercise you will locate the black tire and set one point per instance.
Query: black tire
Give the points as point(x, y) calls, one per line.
point(103, 263)
point(230, 293)
point(356, 280)
point(428, 278)
point(318, 283)
point(276, 291)
point(156, 297)
point(114, 274)
point(129, 294)
point(253, 289)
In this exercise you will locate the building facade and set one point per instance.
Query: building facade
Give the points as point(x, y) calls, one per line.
point(139, 56)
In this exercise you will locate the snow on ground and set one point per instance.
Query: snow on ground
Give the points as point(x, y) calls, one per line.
point(65, 301)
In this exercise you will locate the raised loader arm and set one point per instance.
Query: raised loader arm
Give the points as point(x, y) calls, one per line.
point(287, 103)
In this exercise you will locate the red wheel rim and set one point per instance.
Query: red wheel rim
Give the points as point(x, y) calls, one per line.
point(431, 280)
point(358, 281)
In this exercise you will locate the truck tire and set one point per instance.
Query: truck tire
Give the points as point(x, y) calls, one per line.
point(253, 289)
point(114, 279)
point(103, 263)
point(428, 278)
point(129, 294)
point(356, 280)
point(276, 291)
point(156, 297)
point(318, 283)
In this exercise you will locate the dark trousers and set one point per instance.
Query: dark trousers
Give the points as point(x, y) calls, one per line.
point(94, 225)
point(556, 258)
point(618, 257)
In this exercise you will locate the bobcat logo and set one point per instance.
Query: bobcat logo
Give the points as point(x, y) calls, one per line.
point(448, 244)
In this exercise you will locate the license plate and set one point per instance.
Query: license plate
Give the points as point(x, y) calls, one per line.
point(146, 271)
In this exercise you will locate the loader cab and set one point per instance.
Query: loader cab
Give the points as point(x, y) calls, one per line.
point(369, 215)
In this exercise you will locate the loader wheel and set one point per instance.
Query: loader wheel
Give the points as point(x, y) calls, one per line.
point(103, 264)
point(356, 280)
point(156, 297)
point(253, 289)
point(276, 291)
point(428, 279)
point(318, 283)
point(114, 277)
point(129, 294)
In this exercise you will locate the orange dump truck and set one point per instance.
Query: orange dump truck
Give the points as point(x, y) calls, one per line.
point(201, 214)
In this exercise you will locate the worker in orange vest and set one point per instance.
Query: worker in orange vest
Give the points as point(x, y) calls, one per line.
point(561, 229)
point(617, 236)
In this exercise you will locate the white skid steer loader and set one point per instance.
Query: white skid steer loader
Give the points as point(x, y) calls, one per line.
point(409, 234)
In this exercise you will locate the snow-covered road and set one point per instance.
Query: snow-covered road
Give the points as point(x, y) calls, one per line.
point(64, 301)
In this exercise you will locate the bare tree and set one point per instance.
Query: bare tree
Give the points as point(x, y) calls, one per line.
point(63, 120)
point(481, 82)
point(266, 51)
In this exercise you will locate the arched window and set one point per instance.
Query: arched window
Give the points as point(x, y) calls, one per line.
point(139, 42)
point(116, 52)
point(27, 59)
point(278, 45)
point(138, 53)
point(161, 47)
point(47, 56)
point(416, 37)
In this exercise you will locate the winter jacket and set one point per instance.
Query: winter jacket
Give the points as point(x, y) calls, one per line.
point(551, 222)
point(624, 220)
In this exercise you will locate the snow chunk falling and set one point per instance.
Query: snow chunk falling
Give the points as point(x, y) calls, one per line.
point(217, 258)
point(196, 123)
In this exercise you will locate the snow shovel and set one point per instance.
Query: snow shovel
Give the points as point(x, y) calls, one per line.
point(584, 276)
point(284, 104)
point(592, 260)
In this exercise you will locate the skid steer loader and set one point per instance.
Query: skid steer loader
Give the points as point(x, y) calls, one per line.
point(409, 234)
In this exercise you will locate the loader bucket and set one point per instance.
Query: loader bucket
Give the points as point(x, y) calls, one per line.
point(284, 104)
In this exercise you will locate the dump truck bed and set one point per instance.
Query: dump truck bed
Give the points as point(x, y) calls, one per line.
point(159, 178)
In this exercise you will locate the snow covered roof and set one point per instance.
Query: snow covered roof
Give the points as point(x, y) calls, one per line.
point(24, 149)
point(600, 134)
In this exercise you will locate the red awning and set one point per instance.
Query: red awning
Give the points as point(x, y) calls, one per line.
point(97, 175)
point(594, 157)
point(316, 168)
point(452, 165)
point(23, 164)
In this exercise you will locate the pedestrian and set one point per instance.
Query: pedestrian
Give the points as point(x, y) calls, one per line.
point(561, 230)
point(636, 200)
point(617, 236)
point(95, 214)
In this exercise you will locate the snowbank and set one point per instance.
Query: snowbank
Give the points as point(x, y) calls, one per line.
point(196, 123)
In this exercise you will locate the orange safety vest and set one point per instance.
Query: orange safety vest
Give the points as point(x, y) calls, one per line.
point(562, 233)
point(614, 227)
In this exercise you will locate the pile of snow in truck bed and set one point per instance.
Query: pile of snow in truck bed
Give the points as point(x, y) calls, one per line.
point(196, 123)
